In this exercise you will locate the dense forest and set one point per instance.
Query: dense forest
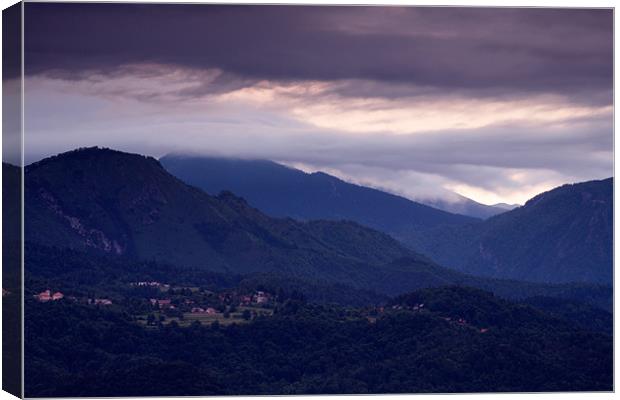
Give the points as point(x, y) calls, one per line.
point(82, 271)
point(310, 337)
point(459, 340)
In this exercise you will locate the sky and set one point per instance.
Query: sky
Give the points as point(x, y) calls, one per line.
point(496, 104)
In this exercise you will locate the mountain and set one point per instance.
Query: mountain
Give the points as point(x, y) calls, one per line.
point(98, 221)
point(281, 191)
point(128, 207)
point(563, 235)
point(557, 236)
point(506, 206)
point(466, 206)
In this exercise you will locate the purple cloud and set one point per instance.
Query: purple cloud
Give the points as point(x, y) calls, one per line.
point(483, 50)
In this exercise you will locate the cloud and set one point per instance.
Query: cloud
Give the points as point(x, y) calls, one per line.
point(323, 103)
point(477, 50)
point(494, 103)
point(507, 156)
point(11, 122)
point(517, 185)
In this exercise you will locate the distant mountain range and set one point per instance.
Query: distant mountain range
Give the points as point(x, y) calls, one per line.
point(280, 190)
point(560, 236)
point(505, 206)
point(462, 205)
point(128, 206)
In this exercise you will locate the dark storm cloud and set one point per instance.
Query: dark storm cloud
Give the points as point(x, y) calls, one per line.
point(480, 51)
point(497, 104)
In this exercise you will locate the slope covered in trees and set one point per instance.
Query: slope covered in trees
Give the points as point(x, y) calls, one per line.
point(281, 191)
point(460, 340)
point(564, 235)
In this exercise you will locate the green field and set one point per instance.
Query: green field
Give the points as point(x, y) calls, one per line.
point(207, 319)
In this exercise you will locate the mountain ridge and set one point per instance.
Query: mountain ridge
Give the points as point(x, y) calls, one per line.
point(142, 191)
point(122, 204)
point(127, 205)
point(461, 206)
point(281, 191)
point(561, 235)
point(538, 247)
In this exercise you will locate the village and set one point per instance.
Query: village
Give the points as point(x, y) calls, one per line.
point(187, 305)
point(154, 303)
point(48, 295)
